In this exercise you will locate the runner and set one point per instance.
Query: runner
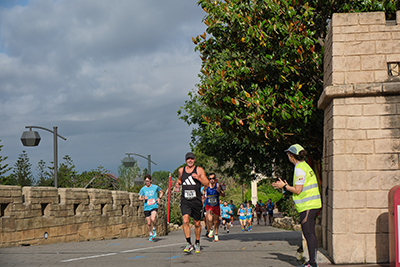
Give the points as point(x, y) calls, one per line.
point(233, 208)
point(213, 209)
point(264, 213)
point(148, 193)
point(226, 212)
point(270, 207)
point(258, 212)
point(203, 211)
point(242, 216)
point(191, 178)
point(249, 216)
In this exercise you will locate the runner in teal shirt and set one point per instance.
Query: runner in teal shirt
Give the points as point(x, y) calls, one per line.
point(148, 193)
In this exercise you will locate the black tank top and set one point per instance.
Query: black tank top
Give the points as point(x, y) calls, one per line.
point(190, 186)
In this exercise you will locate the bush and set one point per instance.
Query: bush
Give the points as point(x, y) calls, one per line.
point(286, 206)
point(175, 215)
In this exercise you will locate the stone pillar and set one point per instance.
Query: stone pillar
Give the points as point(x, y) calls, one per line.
point(361, 104)
point(254, 197)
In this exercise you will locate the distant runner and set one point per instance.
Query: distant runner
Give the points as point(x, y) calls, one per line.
point(148, 193)
point(226, 215)
point(242, 216)
point(249, 216)
point(233, 208)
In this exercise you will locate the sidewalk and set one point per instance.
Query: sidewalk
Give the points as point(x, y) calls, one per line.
point(265, 246)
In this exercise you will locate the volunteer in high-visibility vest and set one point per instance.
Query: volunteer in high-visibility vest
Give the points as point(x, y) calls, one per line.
point(306, 197)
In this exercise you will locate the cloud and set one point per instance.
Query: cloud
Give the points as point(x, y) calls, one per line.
point(110, 75)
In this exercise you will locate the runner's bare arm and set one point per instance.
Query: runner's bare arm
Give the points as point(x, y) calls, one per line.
point(179, 181)
point(201, 176)
point(221, 192)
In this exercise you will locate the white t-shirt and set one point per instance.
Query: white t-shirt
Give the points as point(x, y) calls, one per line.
point(299, 176)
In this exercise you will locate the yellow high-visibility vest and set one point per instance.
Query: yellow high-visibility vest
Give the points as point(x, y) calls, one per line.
point(309, 198)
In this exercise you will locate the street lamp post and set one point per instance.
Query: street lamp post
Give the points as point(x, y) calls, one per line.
point(32, 138)
point(130, 162)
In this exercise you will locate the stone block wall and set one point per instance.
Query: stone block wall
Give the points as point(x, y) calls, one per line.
point(361, 104)
point(70, 215)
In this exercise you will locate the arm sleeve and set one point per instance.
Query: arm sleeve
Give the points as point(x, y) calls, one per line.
point(299, 177)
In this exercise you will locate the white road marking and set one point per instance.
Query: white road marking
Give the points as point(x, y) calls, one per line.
point(126, 251)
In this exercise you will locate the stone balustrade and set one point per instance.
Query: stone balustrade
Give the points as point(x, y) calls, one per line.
point(45, 215)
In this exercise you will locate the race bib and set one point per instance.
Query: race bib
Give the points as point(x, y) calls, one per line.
point(212, 201)
point(151, 201)
point(241, 214)
point(189, 194)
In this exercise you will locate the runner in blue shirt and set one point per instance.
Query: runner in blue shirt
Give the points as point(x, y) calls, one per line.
point(226, 212)
point(249, 216)
point(148, 193)
point(233, 208)
point(242, 216)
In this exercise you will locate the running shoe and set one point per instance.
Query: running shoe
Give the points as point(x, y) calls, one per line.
point(198, 248)
point(210, 235)
point(154, 233)
point(207, 234)
point(307, 264)
point(188, 248)
point(151, 238)
point(216, 239)
point(227, 231)
point(243, 230)
point(224, 227)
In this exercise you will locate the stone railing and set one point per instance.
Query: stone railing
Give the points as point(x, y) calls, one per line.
point(44, 215)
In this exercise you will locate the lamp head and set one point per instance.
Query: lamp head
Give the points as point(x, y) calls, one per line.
point(128, 162)
point(30, 138)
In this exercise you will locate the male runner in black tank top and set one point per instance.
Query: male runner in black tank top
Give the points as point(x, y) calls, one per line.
point(191, 178)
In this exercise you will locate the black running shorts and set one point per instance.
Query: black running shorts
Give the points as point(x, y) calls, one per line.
point(147, 213)
point(192, 207)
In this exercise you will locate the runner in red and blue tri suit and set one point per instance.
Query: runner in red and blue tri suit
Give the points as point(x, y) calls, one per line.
point(213, 210)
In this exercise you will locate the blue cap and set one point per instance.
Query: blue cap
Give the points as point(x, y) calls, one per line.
point(295, 149)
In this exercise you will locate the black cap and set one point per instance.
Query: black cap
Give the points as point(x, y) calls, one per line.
point(189, 155)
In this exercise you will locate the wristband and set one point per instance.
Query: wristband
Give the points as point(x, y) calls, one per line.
point(284, 187)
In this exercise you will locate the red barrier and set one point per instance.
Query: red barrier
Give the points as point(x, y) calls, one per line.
point(394, 230)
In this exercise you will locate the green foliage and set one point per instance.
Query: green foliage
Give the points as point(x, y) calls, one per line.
point(234, 193)
point(98, 178)
point(135, 188)
point(161, 178)
point(67, 174)
point(175, 215)
point(3, 168)
point(127, 176)
point(43, 177)
point(22, 174)
point(286, 206)
point(261, 78)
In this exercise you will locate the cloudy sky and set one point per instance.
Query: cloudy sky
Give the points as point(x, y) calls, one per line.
point(110, 74)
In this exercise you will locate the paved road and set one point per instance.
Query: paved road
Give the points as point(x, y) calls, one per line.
point(264, 246)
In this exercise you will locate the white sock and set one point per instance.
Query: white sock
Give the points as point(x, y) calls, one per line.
point(154, 228)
